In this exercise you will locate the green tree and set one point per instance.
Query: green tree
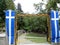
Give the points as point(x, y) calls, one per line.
point(9, 4)
point(33, 23)
point(52, 4)
point(39, 8)
point(5, 5)
point(2, 8)
point(19, 9)
point(20, 22)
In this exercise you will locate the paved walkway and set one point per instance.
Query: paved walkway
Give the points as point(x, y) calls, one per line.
point(36, 44)
point(3, 40)
point(23, 41)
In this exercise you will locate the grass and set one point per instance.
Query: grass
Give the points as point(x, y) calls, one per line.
point(38, 40)
point(36, 35)
point(41, 39)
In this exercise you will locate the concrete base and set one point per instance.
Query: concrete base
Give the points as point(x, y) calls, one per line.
point(7, 41)
point(3, 39)
point(55, 43)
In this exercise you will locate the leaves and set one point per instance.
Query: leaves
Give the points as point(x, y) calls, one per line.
point(52, 4)
point(33, 23)
point(2, 8)
point(5, 5)
point(9, 4)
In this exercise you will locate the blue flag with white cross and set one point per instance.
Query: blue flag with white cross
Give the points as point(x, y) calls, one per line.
point(10, 25)
point(54, 26)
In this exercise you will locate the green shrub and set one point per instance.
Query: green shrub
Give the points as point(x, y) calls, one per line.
point(33, 23)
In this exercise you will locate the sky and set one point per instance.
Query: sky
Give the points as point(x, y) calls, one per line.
point(27, 5)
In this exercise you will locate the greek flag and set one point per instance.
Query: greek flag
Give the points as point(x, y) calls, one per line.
point(54, 26)
point(10, 19)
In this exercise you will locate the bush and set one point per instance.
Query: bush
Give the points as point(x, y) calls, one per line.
point(33, 23)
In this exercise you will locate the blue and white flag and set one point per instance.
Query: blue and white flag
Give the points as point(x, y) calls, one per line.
point(54, 26)
point(10, 25)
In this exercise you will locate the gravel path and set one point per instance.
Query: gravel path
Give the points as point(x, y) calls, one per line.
point(23, 41)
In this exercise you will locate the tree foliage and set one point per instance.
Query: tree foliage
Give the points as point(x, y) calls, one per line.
point(52, 4)
point(5, 5)
point(9, 4)
point(2, 8)
point(33, 23)
point(19, 9)
point(39, 8)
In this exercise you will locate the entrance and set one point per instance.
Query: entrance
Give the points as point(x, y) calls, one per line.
point(32, 25)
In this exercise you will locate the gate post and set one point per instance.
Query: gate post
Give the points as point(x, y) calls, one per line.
point(48, 25)
point(10, 26)
point(16, 32)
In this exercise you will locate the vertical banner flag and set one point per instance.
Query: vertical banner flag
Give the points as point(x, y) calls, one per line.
point(59, 26)
point(10, 25)
point(54, 26)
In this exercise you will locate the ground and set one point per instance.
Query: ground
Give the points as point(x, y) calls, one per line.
point(3, 40)
point(22, 40)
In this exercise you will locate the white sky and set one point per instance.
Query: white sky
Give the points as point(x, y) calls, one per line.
point(27, 5)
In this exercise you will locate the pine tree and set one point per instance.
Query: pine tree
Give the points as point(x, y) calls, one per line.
point(19, 7)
